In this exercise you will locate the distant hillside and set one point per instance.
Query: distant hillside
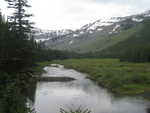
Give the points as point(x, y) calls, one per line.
point(135, 48)
point(93, 37)
point(102, 43)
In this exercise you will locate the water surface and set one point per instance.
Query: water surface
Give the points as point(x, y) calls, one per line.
point(51, 96)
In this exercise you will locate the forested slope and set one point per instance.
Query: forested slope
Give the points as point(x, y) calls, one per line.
point(135, 48)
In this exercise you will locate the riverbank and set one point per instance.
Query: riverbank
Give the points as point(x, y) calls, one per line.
point(38, 68)
point(122, 78)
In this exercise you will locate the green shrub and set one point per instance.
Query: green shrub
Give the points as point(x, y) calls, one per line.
point(79, 110)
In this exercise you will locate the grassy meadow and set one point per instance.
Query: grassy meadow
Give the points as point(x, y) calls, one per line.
point(121, 78)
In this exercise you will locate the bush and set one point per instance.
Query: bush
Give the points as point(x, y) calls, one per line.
point(79, 110)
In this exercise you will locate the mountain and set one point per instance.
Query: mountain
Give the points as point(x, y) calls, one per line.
point(134, 48)
point(94, 36)
point(44, 35)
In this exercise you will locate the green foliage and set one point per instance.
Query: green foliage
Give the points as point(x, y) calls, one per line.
point(19, 20)
point(38, 69)
point(17, 52)
point(122, 78)
point(101, 43)
point(16, 49)
point(136, 48)
point(48, 54)
point(13, 98)
point(79, 110)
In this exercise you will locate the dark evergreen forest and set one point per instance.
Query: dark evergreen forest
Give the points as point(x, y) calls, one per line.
point(19, 52)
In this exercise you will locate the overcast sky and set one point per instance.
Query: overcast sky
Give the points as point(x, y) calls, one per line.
point(72, 14)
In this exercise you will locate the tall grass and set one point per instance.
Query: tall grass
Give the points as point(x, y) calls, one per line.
point(122, 78)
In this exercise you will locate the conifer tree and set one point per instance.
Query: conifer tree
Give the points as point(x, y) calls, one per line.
point(20, 49)
point(19, 20)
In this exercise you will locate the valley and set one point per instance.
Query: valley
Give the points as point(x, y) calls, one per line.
point(122, 78)
point(82, 56)
point(95, 36)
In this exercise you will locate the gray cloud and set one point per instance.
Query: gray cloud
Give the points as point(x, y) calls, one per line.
point(60, 14)
point(130, 2)
point(137, 5)
point(133, 3)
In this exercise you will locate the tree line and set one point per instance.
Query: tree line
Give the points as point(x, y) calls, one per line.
point(134, 49)
point(18, 53)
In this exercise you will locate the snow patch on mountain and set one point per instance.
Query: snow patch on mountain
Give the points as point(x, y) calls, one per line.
point(99, 24)
point(90, 32)
point(99, 29)
point(115, 28)
point(137, 20)
point(75, 35)
point(71, 42)
point(146, 13)
point(81, 32)
point(41, 40)
point(104, 26)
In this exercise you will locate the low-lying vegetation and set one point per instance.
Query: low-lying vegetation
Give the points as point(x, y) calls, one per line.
point(79, 110)
point(122, 78)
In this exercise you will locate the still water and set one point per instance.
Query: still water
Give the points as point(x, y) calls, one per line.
point(51, 96)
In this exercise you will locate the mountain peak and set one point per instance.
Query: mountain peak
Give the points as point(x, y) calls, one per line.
point(106, 27)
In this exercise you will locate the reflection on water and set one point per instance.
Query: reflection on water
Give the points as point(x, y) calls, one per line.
point(50, 97)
